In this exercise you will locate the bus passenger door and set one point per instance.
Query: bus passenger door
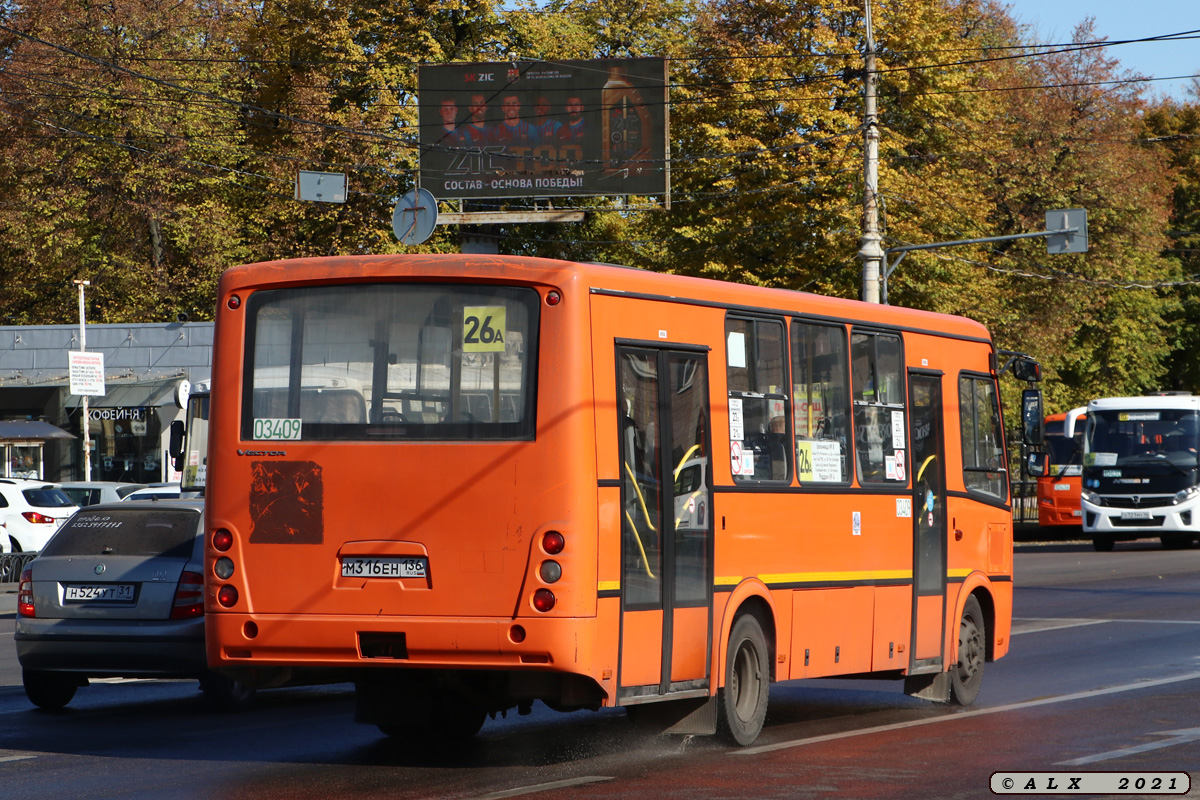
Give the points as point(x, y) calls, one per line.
point(666, 509)
point(929, 522)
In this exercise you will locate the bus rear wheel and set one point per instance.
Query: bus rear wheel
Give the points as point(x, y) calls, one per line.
point(967, 675)
point(452, 720)
point(742, 702)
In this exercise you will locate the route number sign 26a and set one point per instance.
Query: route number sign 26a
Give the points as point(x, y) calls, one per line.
point(483, 329)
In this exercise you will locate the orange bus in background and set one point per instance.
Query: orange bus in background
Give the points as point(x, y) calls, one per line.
point(1058, 490)
point(467, 483)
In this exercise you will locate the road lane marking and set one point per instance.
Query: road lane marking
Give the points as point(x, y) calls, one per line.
point(1178, 737)
point(542, 787)
point(1034, 625)
point(979, 712)
point(1038, 625)
point(15, 758)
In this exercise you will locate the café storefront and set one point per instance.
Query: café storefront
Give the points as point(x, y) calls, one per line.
point(147, 368)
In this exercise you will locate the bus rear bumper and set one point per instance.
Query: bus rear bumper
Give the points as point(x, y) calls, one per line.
point(341, 641)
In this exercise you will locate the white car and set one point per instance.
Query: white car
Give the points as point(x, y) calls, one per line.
point(156, 491)
point(89, 493)
point(31, 511)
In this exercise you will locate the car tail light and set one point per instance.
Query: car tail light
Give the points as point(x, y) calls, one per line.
point(34, 516)
point(189, 596)
point(25, 594)
point(543, 599)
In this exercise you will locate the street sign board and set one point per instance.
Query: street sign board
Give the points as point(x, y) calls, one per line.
point(415, 216)
point(1063, 219)
point(86, 371)
point(321, 187)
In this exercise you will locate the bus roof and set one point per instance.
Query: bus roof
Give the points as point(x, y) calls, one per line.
point(602, 278)
point(1190, 401)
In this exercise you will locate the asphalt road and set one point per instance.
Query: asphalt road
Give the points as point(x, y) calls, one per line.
point(1104, 675)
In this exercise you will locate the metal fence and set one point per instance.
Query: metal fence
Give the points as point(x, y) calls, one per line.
point(1024, 502)
point(11, 565)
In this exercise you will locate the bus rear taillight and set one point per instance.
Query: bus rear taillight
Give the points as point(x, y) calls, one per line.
point(222, 540)
point(553, 542)
point(25, 606)
point(227, 596)
point(550, 571)
point(543, 600)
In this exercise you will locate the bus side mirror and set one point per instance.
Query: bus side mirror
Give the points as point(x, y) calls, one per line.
point(1038, 464)
point(175, 447)
point(1033, 422)
point(1027, 369)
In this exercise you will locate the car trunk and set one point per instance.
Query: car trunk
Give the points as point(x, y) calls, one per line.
point(117, 563)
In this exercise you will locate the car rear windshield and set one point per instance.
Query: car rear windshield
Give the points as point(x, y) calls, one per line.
point(170, 533)
point(49, 497)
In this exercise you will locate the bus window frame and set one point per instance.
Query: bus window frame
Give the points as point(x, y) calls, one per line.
point(998, 501)
point(522, 430)
point(847, 409)
point(902, 373)
point(754, 320)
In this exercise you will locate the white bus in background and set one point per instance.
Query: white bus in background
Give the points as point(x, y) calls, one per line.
point(1141, 469)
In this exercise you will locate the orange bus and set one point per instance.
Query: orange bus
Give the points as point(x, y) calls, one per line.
point(466, 483)
point(1058, 490)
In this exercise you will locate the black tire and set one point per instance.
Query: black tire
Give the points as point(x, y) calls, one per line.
point(742, 701)
point(1103, 543)
point(1176, 541)
point(226, 694)
point(966, 676)
point(455, 720)
point(49, 690)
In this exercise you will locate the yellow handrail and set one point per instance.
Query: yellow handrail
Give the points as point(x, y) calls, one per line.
point(637, 536)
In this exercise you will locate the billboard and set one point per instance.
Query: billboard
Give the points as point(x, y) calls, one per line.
point(544, 128)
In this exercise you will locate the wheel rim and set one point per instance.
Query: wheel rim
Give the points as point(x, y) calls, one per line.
point(745, 682)
point(970, 650)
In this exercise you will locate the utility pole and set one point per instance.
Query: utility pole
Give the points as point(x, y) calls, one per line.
point(870, 253)
point(87, 451)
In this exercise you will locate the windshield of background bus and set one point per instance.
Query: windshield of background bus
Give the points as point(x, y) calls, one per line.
point(1125, 438)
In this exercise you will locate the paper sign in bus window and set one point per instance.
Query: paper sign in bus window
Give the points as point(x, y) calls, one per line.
point(819, 462)
point(484, 329)
point(737, 431)
point(736, 349)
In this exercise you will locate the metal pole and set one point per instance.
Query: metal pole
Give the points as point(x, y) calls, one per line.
point(870, 253)
point(87, 451)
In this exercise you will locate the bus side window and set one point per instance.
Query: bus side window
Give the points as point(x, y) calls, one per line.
point(879, 424)
point(983, 448)
point(821, 397)
point(756, 364)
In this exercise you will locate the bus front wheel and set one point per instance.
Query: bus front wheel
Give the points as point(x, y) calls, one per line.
point(742, 702)
point(967, 674)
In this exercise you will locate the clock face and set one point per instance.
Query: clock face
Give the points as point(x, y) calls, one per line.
point(415, 216)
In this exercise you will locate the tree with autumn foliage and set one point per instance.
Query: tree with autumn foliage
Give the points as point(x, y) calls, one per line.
point(147, 145)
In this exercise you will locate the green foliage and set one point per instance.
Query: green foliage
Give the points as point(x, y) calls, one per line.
point(149, 144)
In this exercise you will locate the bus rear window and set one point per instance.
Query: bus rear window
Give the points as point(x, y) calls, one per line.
point(390, 361)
